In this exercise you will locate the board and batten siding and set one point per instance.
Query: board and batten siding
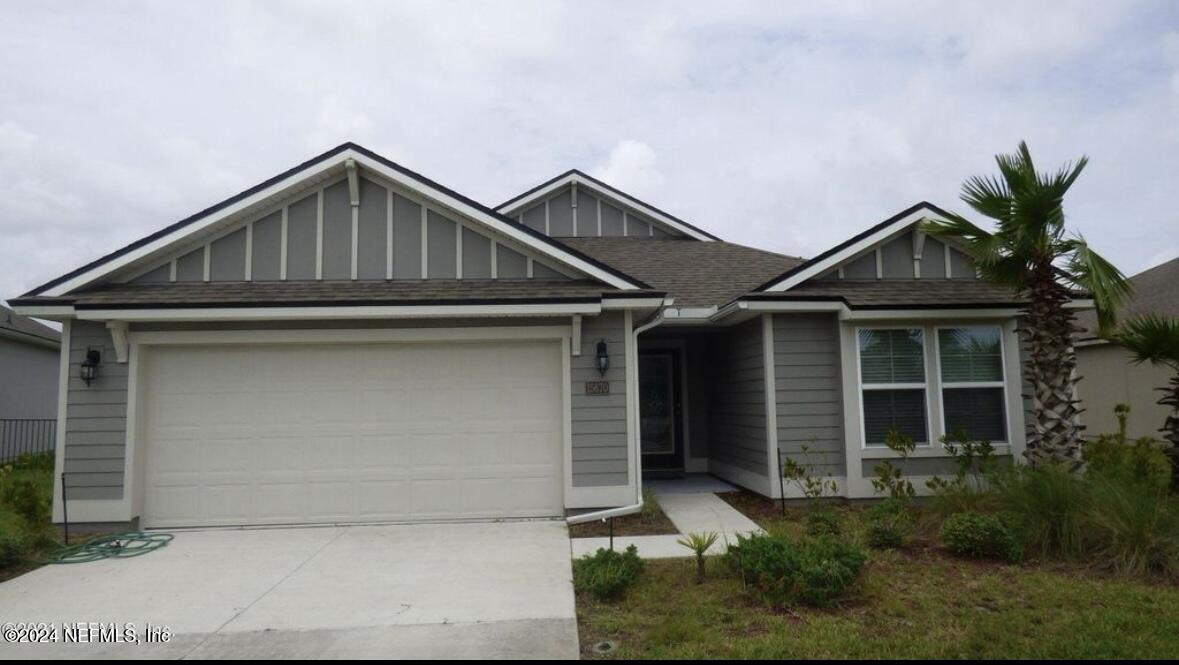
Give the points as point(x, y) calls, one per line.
point(311, 237)
point(599, 434)
point(567, 214)
point(809, 392)
point(737, 399)
point(96, 418)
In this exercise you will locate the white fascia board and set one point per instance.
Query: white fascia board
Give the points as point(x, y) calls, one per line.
point(772, 306)
point(820, 267)
point(344, 312)
point(576, 178)
point(1084, 303)
point(51, 312)
point(495, 223)
point(336, 162)
point(947, 313)
point(633, 303)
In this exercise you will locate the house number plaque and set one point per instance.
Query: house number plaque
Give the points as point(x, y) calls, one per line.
point(597, 387)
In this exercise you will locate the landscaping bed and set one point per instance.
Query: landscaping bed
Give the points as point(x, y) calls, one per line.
point(26, 533)
point(651, 521)
point(907, 604)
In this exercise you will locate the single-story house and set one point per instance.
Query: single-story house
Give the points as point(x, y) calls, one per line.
point(350, 341)
point(1109, 374)
point(29, 353)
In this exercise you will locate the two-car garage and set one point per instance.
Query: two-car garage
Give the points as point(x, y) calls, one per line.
point(305, 433)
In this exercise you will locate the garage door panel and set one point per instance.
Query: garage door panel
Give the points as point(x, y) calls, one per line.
point(332, 433)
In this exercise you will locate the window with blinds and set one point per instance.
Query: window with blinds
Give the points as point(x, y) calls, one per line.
point(892, 380)
point(973, 402)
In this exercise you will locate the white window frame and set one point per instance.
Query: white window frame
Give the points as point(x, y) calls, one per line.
point(925, 386)
point(1002, 383)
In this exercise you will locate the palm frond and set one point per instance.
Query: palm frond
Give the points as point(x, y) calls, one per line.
point(988, 195)
point(1152, 338)
point(1089, 271)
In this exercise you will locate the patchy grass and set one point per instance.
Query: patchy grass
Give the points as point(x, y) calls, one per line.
point(650, 522)
point(914, 604)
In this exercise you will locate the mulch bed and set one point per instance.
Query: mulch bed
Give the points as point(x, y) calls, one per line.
point(650, 522)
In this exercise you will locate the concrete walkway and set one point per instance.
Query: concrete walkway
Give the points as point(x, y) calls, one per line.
point(690, 512)
point(480, 590)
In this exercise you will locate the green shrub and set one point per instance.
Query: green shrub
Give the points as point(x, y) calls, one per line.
point(1133, 527)
point(35, 461)
point(888, 524)
point(25, 497)
point(1144, 460)
point(978, 536)
point(823, 523)
point(607, 574)
point(812, 571)
point(13, 549)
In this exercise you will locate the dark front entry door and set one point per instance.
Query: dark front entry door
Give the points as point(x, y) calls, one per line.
point(660, 410)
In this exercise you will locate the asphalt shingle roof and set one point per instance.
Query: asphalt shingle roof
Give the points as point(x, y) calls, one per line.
point(695, 273)
point(19, 325)
point(231, 294)
point(899, 293)
point(1155, 291)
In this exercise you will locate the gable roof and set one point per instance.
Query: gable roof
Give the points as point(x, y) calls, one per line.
point(854, 245)
point(584, 179)
point(1156, 291)
point(15, 326)
point(695, 274)
point(317, 166)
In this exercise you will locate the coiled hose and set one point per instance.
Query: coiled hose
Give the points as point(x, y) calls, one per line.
point(113, 546)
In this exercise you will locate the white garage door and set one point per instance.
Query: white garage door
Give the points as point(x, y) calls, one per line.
point(287, 434)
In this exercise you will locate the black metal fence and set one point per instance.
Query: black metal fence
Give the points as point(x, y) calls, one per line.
point(26, 435)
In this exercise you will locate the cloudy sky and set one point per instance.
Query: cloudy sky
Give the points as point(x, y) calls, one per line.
point(783, 125)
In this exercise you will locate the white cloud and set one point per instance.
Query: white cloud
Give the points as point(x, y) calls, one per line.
point(789, 126)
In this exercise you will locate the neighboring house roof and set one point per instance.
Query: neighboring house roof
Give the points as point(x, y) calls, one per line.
point(695, 274)
point(582, 178)
point(261, 294)
point(907, 294)
point(1155, 291)
point(106, 264)
point(15, 326)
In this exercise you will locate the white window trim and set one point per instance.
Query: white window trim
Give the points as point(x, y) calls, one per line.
point(942, 386)
point(861, 386)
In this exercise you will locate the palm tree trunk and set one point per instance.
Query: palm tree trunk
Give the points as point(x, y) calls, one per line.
point(1170, 428)
point(1047, 327)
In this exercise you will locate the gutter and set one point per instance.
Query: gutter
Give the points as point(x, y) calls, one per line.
point(635, 507)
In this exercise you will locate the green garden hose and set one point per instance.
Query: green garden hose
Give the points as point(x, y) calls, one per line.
point(113, 546)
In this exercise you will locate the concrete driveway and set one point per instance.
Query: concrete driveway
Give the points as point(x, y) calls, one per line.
point(481, 590)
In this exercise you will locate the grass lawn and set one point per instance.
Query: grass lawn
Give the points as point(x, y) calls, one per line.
point(650, 522)
point(913, 603)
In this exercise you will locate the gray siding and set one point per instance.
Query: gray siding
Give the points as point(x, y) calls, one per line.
point(560, 214)
point(599, 421)
point(375, 250)
point(896, 261)
point(809, 395)
point(96, 418)
point(737, 401)
point(28, 380)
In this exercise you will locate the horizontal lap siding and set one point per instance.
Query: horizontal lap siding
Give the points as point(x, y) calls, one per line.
point(599, 421)
point(736, 402)
point(96, 418)
point(809, 398)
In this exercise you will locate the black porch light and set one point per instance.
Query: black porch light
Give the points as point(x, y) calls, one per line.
point(90, 365)
point(602, 358)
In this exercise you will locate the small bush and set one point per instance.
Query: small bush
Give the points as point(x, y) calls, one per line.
point(1144, 460)
point(1047, 507)
point(24, 496)
point(823, 523)
point(978, 536)
point(607, 574)
point(13, 550)
point(889, 524)
point(813, 571)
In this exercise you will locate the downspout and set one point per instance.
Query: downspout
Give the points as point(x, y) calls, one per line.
point(637, 470)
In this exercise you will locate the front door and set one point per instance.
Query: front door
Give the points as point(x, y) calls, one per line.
point(660, 410)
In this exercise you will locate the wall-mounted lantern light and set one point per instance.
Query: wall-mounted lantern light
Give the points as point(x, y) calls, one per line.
point(90, 365)
point(602, 358)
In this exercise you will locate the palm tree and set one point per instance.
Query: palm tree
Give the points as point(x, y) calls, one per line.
point(1155, 339)
point(1030, 252)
